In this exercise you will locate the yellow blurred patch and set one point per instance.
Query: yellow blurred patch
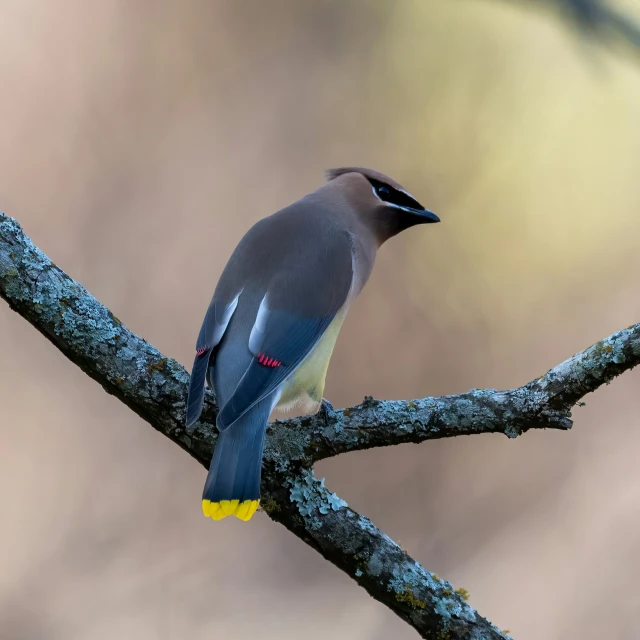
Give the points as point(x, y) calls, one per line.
point(218, 510)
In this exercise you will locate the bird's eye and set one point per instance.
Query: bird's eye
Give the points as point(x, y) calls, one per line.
point(394, 196)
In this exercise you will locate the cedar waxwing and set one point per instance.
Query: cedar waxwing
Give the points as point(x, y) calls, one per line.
point(274, 318)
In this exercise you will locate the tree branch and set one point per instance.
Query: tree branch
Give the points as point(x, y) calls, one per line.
point(155, 387)
point(543, 403)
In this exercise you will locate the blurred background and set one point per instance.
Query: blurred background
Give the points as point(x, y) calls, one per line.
point(140, 140)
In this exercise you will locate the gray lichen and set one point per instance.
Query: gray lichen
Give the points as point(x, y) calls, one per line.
point(311, 495)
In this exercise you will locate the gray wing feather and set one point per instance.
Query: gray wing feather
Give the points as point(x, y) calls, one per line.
point(213, 327)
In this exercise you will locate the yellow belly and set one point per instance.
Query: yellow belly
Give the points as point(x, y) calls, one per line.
point(306, 386)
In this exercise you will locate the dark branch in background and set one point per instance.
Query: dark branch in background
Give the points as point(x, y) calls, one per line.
point(155, 388)
point(597, 19)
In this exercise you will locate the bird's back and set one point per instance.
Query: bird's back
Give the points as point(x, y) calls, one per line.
point(291, 255)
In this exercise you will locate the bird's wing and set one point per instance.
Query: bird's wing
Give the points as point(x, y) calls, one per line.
point(213, 327)
point(300, 303)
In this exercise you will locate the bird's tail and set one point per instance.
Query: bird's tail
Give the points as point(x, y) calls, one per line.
point(233, 484)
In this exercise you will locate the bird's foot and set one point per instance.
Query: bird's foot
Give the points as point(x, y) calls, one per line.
point(327, 412)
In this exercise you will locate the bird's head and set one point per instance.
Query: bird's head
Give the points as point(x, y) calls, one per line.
point(383, 204)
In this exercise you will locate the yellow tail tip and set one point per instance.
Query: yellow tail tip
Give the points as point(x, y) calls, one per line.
point(218, 510)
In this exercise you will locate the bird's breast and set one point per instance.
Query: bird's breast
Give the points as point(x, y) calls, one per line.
point(304, 388)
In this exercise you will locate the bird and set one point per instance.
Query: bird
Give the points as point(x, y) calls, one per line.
point(272, 323)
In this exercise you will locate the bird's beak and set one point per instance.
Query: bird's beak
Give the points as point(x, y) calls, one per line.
point(427, 216)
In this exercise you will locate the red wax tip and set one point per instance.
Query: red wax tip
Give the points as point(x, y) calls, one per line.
point(265, 360)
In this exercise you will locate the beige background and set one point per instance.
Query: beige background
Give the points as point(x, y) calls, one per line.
point(141, 139)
